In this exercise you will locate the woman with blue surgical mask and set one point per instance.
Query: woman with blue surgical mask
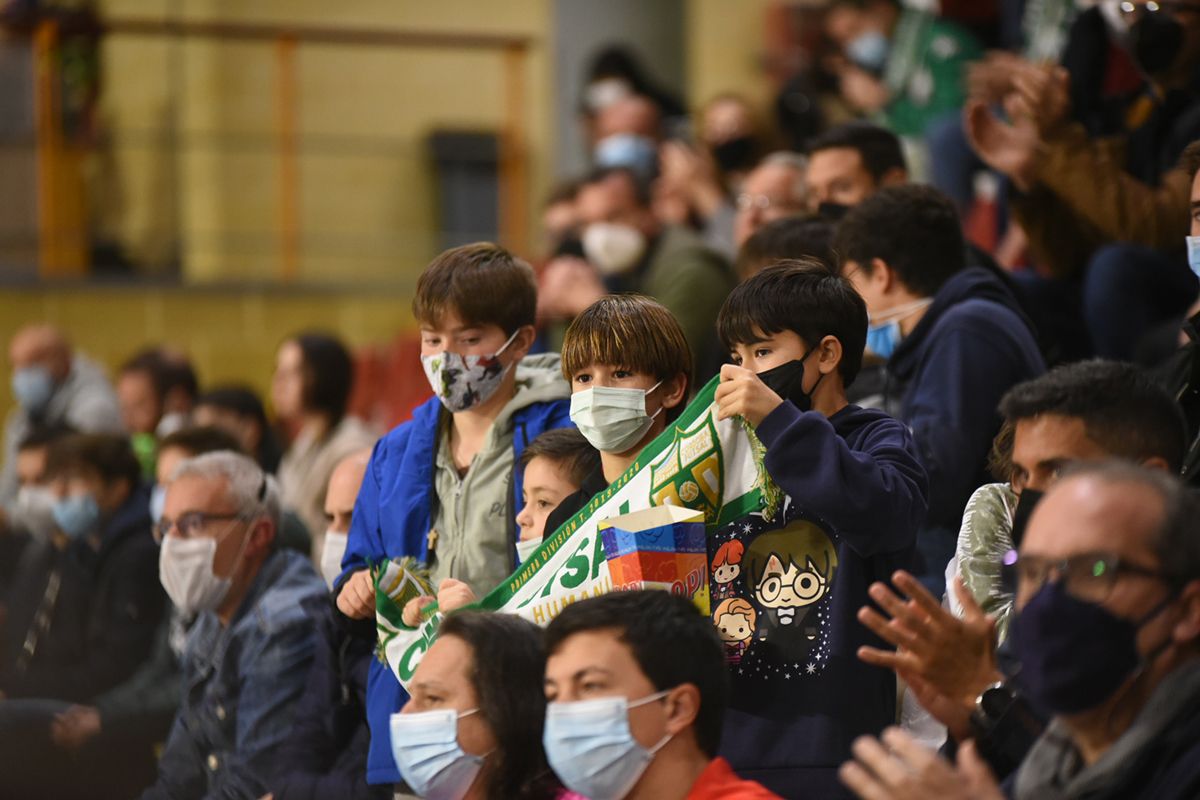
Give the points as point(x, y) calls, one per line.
point(472, 727)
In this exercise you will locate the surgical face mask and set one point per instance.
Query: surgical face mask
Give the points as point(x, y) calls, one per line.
point(1193, 251)
point(331, 555)
point(613, 420)
point(869, 50)
point(158, 501)
point(34, 510)
point(591, 749)
point(463, 382)
point(883, 332)
point(425, 747)
point(33, 387)
point(613, 248)
point(1074, 654)
point(526, 548)
point(185, 567)
point(77, 515)
point(787, 381)
point(629, 150)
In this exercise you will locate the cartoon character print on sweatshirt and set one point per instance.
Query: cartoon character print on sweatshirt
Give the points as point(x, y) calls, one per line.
point(786, 577)
point(726, 567)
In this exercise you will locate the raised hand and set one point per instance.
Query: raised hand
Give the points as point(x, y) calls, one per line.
point(896, 767)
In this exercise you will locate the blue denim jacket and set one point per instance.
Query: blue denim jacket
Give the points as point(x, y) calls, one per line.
point(242, 685)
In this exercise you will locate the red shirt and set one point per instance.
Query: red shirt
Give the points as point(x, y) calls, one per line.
point(718, 782)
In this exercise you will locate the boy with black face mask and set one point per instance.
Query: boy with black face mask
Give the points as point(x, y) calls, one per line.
point(855, 496)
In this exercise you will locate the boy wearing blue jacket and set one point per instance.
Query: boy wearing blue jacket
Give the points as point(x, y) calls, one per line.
point(443, 487)
point(854, 496)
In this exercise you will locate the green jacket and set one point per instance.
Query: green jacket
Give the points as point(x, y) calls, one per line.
point(926, 72)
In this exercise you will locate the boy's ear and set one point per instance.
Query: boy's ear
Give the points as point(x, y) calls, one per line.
point(829, 355)
point(675, 391)
point(683, 706)
point(882, 275)
point(522, 342)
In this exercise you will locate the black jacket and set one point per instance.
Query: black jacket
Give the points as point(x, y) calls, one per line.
point(109, 605)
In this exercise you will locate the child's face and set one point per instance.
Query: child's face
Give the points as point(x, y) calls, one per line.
point(612, 377)
point(546, 485)
point(733, 627)
point(451, 334)
point(769, 351)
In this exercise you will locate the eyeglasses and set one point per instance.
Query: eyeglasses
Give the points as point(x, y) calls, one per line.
point(191, 524)
point(1089, 577)
point(1170, 6)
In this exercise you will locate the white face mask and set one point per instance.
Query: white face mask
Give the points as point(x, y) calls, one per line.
point(34, 510)
point(613, 248)
point(185, 567)
point(526, 548)
point(613, 420)
point(331, 555)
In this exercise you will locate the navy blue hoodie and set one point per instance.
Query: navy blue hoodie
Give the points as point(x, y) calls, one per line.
point(946, 379)
point(785, 594)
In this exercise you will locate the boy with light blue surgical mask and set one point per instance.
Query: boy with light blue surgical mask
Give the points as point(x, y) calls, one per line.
point(630, 370)
point(637, 691)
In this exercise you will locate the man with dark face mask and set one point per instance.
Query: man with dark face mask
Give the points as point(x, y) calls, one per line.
point(1108, 635)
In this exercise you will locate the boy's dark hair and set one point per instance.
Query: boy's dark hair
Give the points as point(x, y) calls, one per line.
point(631, 331)
point(482, 283)
point(802, 296)
point(241, 400)
point(328, 374)
point(166, 370)
point(1122, 410)
point(107, 455)
point(200, 440)
point(672, 642)
point(507, 673)
point(784, 239)
point(878, 147)
point(913, 229)
point(44, 436)
point(641, 188)
point(566, 447)
point(1190, 160)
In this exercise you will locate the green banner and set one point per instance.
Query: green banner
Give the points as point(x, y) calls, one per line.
point(697, 462)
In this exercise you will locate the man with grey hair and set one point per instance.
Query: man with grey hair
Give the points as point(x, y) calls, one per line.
point(1107, 634)
point(251, 646)
point(773, 190)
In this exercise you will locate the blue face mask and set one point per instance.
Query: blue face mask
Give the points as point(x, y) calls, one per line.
point(77, 515)
point(882, 339)
point(590, 747)
point(33, 387)
point(425, 747)
point(629, 150)
point(869, 50)
point(1193, 248)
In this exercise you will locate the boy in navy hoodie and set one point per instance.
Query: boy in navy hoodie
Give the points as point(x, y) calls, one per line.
point(855, 494)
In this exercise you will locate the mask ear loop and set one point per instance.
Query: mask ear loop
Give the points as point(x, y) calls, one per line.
point(647, 394)
point(1132, 681)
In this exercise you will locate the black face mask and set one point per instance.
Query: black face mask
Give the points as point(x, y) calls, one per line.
point(1024, 510)
point(735, 154)
point(832, 212)
point(1155, 41)
point(787, 381)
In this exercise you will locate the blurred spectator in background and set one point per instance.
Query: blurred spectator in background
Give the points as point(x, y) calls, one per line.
point(250, 648)
point(53, 385)
point(628, 249)
point(773, 190)
point(325, 757)
point(616, 74)
point(156, 389)
point(901, 64)
point(954, 338)
point(240, 412)
point(94, 622)
point(627, 135)
point(849, 163)
point(312, 381)
point(784, 239)
point(1107, 211)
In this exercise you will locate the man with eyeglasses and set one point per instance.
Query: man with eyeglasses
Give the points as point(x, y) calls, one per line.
point(1108, 636)
point(773, 190)
point(250, 648)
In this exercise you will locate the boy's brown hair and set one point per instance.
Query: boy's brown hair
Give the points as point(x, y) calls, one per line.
point(482, 283)
point(630, 331)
